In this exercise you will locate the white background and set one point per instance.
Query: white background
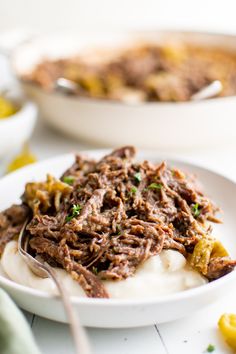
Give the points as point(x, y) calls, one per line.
point(106, 14)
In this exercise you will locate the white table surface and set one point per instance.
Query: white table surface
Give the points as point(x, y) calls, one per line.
point(190, 335)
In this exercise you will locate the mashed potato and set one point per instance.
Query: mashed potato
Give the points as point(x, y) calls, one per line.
point(160, 275)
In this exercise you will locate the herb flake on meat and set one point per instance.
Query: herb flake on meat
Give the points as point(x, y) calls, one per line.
point(133, 190)
point(138, 177)
point(74, 212)
point(69, 180)
point(196, 210)
point(155, 186)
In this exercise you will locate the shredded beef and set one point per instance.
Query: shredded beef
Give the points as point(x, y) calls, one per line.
point(220, 266)
point(114, 215)
point(11, 222)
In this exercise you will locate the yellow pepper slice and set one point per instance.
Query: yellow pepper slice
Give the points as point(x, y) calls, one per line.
point(41, 195)
point(92, 84)
point(202, 254)
point(24, 158)
point(219, 250)
point(204, 251)
point(6, 108)
point(175, 54)
point(227, 326)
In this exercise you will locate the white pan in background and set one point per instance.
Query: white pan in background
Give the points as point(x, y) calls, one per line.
point(112, 313)
point(107, 123)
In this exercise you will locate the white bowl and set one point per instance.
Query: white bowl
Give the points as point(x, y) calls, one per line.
point(148, 125)
point(126, 313)
point(16, 129)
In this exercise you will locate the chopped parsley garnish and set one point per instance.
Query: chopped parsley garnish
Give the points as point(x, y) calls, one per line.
point(210, 348)
point(118, 229)
point(69, 180)
point(155, 186)
point(138, 177)
point(95, 270)
point(195, 210)
point(76, 208)
point(133, 190)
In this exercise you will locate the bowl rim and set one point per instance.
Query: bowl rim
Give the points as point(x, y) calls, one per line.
point(76, 300)
point(101, 101)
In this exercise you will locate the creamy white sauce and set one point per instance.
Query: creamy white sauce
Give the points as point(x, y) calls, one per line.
point(160, 275)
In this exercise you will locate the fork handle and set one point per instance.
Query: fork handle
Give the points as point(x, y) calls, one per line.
point(78, 333)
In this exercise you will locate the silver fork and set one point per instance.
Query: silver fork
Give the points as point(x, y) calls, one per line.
point(44, 270)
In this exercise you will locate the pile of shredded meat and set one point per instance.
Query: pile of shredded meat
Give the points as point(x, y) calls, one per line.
point(145, 72)
point(103, 219)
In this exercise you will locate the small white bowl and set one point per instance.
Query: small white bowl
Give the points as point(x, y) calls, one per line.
point(17, 129)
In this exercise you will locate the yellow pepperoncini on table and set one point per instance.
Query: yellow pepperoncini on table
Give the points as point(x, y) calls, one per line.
point(227, 326)
point(24, 158)
point(6, 108)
